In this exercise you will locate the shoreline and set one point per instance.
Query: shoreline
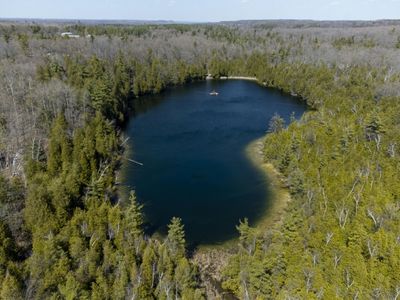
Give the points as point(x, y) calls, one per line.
point(279, 194)
point(242, 78)
point(211, 259)
point(210, 77)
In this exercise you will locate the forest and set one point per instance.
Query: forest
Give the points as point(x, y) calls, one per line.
point(64, 231)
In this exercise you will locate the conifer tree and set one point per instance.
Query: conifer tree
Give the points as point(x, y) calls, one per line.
point(176, 237)
point(11, 288)
point(59, 147)
point(134, 217)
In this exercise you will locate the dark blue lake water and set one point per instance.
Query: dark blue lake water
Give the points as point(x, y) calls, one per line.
point(192, 147)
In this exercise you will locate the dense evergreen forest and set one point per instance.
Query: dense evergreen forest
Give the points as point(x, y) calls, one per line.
point(63, 101)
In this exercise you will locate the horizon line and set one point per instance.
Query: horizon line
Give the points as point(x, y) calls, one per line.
point(187, 21)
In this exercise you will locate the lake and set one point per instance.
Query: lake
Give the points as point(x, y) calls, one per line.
point(192, 147)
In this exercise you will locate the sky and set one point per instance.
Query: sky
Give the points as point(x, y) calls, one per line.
point(202, 10)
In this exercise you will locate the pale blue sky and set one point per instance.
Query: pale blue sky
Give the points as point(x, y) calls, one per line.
point(202, 10)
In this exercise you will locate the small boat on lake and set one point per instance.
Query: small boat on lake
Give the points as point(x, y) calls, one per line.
point(214, 93)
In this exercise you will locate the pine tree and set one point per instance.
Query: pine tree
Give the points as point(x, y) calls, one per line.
point(176, 237)
point(59, 153)
point(247, 236)
point(148, 271)
point(11, 288)
point(134, 217)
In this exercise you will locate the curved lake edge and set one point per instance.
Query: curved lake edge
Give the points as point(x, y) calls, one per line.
point(211, 259)
point(254, 154)
point(280, 193)
point(279, 201)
